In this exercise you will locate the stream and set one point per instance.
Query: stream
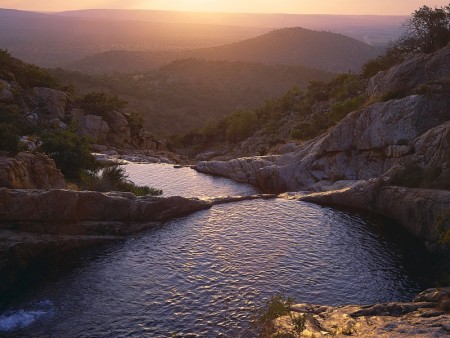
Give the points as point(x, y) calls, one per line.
point(207, 274)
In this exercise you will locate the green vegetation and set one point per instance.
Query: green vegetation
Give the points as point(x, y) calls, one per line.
point(70, 152)
point(427, 31)
point(240, 125)
point(114, 178)
point(309, 113)
point(99, 103)
point(185, 94)
point(27, 75)
point(13, 124)
point(278, 306)
point(299, 322)
point(339, 110)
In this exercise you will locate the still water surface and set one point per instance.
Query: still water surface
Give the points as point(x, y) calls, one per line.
point(206, 275)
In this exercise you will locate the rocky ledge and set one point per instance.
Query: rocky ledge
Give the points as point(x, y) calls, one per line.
point(425, 213)
point(428, 315)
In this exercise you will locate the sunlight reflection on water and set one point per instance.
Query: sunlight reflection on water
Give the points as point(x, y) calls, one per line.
point(184, 181)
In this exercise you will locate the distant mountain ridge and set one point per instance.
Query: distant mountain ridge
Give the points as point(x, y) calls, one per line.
point(51, 40)
point(289, 46)
point(57, 39)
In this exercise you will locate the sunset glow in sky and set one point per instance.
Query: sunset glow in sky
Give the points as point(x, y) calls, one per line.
point(384, 7)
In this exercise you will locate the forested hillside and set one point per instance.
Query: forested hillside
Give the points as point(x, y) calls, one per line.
point(187, 93)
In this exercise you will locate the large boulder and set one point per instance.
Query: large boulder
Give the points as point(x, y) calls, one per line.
point(30, 171)
point(54, 101)
point(93, 126)
point(416, 70)
point(119, 133)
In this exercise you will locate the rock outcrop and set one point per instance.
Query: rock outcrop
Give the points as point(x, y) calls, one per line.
point(54, 101)
point(30, 171)
point(365, 145)
point(374, 142)
point(94, 127)
point(120, 132)
point(428, 315)
point(415, 71)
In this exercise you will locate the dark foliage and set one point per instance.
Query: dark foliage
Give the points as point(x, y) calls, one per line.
point(70, 152)
point(100, 103)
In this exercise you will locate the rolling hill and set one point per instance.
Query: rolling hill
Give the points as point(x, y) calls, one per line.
point(289, 46)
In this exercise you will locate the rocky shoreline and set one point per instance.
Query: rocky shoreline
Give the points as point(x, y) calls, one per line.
point(428, 315)
point(422, 212)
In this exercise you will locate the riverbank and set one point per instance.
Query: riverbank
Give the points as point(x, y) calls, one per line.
point(422, 212)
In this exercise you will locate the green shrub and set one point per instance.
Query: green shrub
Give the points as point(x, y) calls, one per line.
point(30, 76)
point(135, 122)
point(340, 110)
point(114, 178)
point(70, 152)
point(395, 94)
point(345, 86)
point(13, 124)
point(393, 56)
point(299, 322)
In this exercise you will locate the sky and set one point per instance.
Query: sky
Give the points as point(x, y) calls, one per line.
point(381, 7)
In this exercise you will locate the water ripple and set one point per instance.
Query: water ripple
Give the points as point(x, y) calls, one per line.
point(206, 275)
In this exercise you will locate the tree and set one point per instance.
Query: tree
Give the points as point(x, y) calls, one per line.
point(240, 125)
point(427, 30)
point(100, 103)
